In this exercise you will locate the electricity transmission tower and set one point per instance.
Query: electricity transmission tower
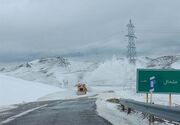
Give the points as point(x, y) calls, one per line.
point(131, 53)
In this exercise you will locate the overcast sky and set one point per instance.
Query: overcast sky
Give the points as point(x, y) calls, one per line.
point(35, 28)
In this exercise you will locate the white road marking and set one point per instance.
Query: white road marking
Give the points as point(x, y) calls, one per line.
point(21, 114)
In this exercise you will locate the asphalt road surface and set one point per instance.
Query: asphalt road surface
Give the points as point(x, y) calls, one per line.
point(80, 111)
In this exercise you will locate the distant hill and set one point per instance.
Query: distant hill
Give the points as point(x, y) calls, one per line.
point(61, 72)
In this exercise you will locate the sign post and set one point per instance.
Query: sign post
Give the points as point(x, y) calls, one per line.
point(170, 101)
point(147, 98)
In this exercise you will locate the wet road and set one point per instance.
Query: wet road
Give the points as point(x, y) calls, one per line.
point(68, 112)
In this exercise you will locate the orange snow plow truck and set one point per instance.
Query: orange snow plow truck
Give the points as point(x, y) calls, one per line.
point(81, 89)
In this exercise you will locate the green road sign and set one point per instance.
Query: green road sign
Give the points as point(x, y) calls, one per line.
point(162, 81)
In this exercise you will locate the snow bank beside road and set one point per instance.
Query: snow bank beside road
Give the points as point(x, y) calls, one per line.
point(14, 90)
point(110, 112)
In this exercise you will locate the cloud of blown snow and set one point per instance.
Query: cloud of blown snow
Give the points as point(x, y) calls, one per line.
point(114, 72)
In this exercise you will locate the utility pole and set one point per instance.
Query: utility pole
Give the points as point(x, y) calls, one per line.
point(131, 53)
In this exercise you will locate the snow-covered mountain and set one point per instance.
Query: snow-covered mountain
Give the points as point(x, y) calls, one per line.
point(61, 72)
point(54, 71)
point(164, 62)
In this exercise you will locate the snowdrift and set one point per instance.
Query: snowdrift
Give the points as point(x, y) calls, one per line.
point(14, 90)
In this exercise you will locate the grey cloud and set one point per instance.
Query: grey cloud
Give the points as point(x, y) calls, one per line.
point(38, 28)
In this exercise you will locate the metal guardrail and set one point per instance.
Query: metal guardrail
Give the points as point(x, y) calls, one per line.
point(161, 111)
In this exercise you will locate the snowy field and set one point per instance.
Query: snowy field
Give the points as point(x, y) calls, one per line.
point(15, 90)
